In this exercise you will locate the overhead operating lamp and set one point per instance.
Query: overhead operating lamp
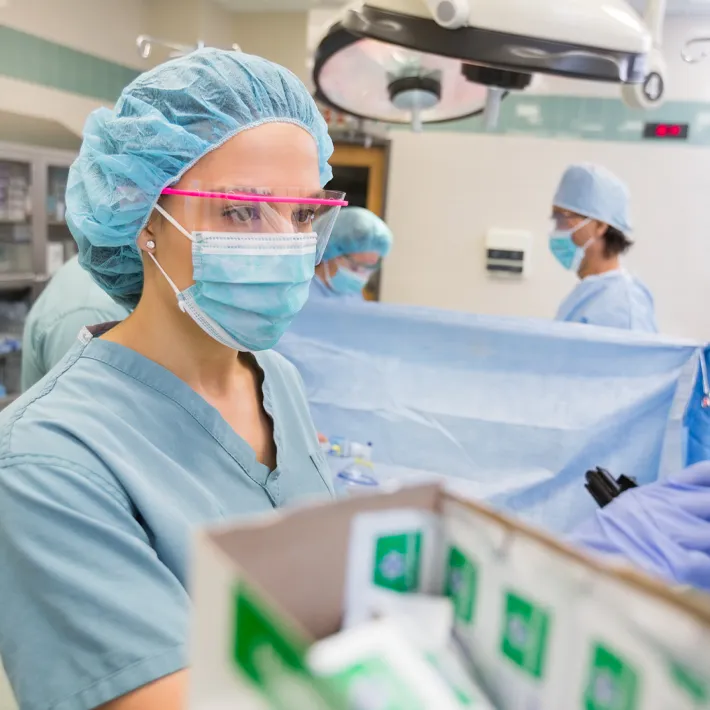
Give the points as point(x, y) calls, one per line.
point(383, 82)
point(422, 61)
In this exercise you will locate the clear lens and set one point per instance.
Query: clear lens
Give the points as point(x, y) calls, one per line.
point(565, 222)
point(360, 268)
point(249, 210)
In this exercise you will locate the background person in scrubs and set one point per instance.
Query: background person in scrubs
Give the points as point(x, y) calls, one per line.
point(591, 223)
point(165, 421)
point(70, 301)
point(359, 243)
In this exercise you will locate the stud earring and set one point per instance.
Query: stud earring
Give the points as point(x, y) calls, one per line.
point(150, 244)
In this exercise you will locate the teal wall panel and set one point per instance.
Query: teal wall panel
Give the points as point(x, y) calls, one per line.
point(38, 61)
point(585, 118)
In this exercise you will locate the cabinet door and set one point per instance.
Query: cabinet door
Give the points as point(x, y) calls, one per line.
point(60, 244)
point(15, 221)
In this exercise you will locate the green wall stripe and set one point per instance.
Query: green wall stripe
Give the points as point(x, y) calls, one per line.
point(586, 118)
point(38, 61)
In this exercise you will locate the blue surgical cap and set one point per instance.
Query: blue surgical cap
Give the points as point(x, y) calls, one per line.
point(593, 191)
point(163, 123)
point(358, 230)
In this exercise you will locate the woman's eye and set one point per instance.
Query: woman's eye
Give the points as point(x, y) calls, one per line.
point(241, 213)
point(304, 216)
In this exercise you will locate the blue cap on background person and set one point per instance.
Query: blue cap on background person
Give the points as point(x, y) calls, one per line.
point(162, 124)
point(358, 231)
point(595, 192)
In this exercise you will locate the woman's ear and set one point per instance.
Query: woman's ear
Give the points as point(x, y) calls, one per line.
point(146, 241)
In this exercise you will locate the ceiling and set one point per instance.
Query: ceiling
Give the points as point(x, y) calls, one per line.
point(675, 7)
point(279, 5)
point(680, 7)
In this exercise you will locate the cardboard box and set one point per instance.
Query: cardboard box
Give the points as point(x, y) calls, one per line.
point(544, 626)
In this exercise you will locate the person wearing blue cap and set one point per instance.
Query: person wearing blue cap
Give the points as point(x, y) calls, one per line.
point(357, 246)
point(197, 205)
point(590, 234)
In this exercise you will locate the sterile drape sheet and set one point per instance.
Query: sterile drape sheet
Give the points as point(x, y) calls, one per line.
point(512, 411)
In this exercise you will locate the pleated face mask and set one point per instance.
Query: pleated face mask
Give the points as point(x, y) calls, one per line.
point(250, 285)
point(565, 250)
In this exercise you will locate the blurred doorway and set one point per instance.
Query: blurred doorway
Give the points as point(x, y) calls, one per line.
point(361, 172)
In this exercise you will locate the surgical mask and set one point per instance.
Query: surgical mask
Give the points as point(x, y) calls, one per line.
point(345, 281)
point(248, 287)
point(565, 250)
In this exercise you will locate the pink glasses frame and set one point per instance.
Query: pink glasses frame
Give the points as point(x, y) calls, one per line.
point(249, 197)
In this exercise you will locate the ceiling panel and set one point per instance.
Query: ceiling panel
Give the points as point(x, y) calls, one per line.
point(675, 7)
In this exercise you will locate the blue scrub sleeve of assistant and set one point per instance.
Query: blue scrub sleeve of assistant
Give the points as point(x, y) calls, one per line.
point(75, 563)
point(54, 343)
point(613, 301)
point(663, 528)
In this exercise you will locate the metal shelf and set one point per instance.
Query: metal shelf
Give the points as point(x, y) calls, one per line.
point(13, 282)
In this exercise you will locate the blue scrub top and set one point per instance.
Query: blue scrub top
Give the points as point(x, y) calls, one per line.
point(70, 301)
point(614, 299)
point(106, 467)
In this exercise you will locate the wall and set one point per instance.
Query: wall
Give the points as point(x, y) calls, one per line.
point(104, 31)
point(104, 28)
point(280, 37)
point(441, 212)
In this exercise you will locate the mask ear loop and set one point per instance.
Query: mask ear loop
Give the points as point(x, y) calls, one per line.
point(326, 273)
point(180, 228)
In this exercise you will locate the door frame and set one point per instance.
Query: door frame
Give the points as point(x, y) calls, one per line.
point(375, 157)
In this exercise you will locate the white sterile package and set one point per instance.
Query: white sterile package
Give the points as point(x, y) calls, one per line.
point(378, 667)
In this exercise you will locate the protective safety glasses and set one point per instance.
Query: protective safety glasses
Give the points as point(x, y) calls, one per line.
point(260, 211)
point(565, 220)
point(361, 268)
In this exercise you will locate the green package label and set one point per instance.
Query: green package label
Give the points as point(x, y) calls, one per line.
point(398, 562)
point(525, 633)
point(690, 682)
point(273, 658)
point(462, 584)
point(613, 683)
point(372, 684)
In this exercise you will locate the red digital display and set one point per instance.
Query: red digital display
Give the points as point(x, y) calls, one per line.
point(679, 131)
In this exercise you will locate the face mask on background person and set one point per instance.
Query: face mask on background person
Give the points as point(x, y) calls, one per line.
point(563, 248)
point(346, 281)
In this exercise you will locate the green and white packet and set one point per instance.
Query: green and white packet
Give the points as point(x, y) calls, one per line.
point(377, 667)
point(514, 603)
point(624, 657)
point(396, 550)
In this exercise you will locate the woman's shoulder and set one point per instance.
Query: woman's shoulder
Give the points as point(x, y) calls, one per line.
point(56, 417)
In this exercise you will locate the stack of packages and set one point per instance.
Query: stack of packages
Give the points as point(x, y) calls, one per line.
point(418, 600)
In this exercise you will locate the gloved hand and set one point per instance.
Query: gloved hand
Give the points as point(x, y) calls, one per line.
point(663, 527)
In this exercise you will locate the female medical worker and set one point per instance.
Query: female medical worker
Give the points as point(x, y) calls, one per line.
point(591, 219)
point(357, 246)
point(194, 203)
